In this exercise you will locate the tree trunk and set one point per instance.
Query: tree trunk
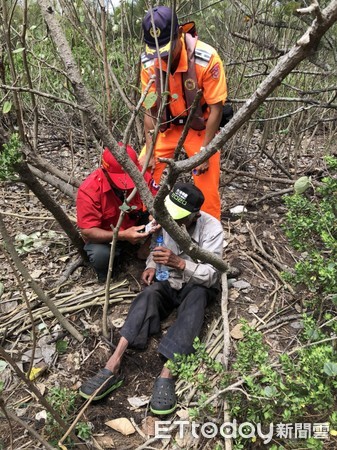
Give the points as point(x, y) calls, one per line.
point(54, 181)
point(27, 177)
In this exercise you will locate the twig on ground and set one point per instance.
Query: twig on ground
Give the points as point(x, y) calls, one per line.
point(257, 266)
point(22, 216)
point(2, 406)
point(272, 269)
point(34, 286)
point(70, 303)
point(33, 389)
point(154, 439)
point(258, 246)
point(281, 320)
point(30, 430)
point(271, 195)
point(271, 307)
point(21, 287)
point(243, 173)
point(226, 348)
point(136, 427)
point(71, 267)
point(69, 431)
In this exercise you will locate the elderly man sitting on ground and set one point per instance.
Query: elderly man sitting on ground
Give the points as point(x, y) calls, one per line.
point(191, 285)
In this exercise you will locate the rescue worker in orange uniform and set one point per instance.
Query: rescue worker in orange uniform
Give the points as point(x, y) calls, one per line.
point(195, 65)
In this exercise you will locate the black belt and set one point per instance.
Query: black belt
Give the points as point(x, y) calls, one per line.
point(179, 120)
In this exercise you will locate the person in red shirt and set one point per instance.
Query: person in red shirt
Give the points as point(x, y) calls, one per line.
point(206, 72)
point(98, 200)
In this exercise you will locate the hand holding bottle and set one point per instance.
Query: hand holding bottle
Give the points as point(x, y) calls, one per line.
point(165, 256)
point(162, 271)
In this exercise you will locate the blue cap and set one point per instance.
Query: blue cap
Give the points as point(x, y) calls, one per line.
point(161, 28)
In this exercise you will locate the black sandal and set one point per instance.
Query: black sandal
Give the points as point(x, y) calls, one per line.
point(163, 400)
point(104, 378)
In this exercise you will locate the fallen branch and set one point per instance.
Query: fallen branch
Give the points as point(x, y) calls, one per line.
point(272, 269)
point(258, 247)
point(30, 430)
point(21, 287)
point(226, 349)
point(282, 320)
point(44, 313)
point(34, 286)
point(69, 270)
point(33, 389)
point(243, 173)
point(46, 166)
point(55, 182)
point(272, 195)
point(21, 216)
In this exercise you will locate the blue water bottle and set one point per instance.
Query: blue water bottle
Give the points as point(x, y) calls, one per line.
point(162, 272)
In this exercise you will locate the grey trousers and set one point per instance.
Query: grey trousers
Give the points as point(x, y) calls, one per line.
point(99, 255)
point(155, 303)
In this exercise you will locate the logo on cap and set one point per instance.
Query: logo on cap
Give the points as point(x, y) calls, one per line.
point(179, 196)
point(155, 33)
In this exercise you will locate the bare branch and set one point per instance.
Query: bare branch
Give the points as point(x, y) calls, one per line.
point(34, 286)
point(285, 65)
point(42, 94)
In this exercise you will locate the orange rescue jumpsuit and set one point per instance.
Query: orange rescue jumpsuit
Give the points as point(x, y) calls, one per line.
point(211, 79)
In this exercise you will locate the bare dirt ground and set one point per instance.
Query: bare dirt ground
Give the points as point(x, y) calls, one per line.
point(255, 243)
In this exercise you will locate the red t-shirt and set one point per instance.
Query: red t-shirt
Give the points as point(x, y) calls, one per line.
point(98, 205)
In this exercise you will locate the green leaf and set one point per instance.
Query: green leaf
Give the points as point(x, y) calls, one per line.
point(330, 368)
point(19, 50)
point(3, 365)
point(270, 391)
point(150, 100)
point(302, 184)
point(6, 107)
point(1, 386)
point(61, 346)
point(125, 207)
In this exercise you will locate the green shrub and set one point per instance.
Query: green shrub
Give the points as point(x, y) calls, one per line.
point(9, 156)
point(311, 227)
point(63, 401)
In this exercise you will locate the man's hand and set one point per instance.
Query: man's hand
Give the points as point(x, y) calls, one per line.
point(148, 276)
point(165, 256)
point(134, 235)
point(201, 169)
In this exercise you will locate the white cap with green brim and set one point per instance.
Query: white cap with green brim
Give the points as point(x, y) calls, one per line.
point(176, 212)
point(183, 200)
